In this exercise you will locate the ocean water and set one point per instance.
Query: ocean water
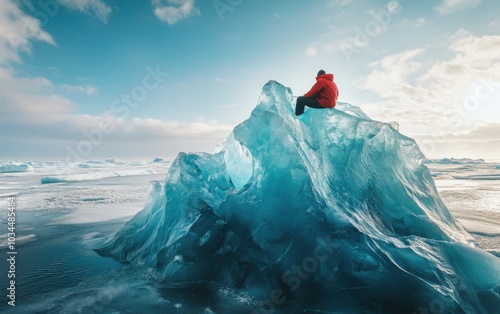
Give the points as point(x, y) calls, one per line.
point(58, 224)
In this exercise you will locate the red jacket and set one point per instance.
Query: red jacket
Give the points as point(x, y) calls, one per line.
point(325, 91)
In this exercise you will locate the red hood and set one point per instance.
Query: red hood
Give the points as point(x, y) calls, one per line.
point(325, 76)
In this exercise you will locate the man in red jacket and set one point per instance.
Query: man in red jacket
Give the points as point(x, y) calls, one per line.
point(323, 94)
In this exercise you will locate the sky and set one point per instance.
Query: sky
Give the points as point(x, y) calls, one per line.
point(135, 80)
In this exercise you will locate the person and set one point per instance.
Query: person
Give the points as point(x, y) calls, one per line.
point(323, 94)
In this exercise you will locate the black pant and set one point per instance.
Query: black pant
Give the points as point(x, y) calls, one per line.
point(304, 101)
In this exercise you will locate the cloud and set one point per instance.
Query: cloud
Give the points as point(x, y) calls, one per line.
point(30, 99)
point(334, 3)
point(91, 7)
point(360, 37)
point(480, 142)
point(173, 11)
point(456, 95)
point(32, 113)
point(450, 6)
point(89, 90)
point(413, 23)
point(81, 137)
point(311, 52)
point(419, 22)
point(472, 72)
point(389, 77)
point(485, 132)
point(480, 51)
point(394, 7)
point(37, 120)
point(16, 31)
point(474, 60)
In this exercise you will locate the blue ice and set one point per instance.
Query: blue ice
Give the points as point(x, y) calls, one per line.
point(330, 211)
point(14, 166)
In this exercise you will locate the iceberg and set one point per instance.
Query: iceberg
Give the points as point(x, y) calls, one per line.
point(326, 212)
point(14, 166)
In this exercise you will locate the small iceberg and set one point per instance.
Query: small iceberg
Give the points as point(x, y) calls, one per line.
point(14, 166)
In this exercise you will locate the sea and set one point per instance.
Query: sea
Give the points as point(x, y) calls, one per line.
point(52, 215)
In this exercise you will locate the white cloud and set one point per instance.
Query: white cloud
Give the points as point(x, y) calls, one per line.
point(484, 50)
point(388, 78)
point(36, 117)
point(311, 52)
point(472, 70)
point(87, 89)
point(394, 7)
point(454, 95)
point(475, 59)
point(30, 99)
point(33, 113)
point(450, 6)
point(173, 11)
point(407, 23)
point(402, 62)
point(91, 7)
point(334, 3)
point(16, 31)
point(480, 142)
point(32, 108)
point(418, 22)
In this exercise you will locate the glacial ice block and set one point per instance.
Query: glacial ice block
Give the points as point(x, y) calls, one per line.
point(330, 210)
point(14, 166)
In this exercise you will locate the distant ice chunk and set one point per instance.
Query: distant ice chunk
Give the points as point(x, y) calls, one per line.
point(14, 166)
point(112, 161)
